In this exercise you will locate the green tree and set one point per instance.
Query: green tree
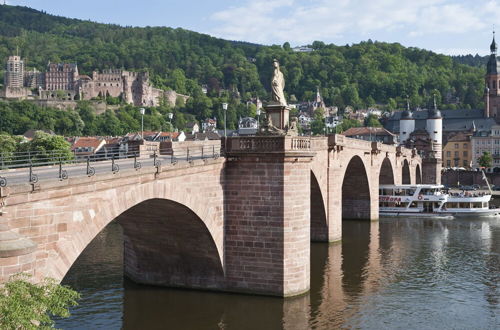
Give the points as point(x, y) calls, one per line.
point(372, 121)
point(318, 123)
point(485, 160)
point(346, 124)
point(25, 305)
point(45, 147)
point(7, 145)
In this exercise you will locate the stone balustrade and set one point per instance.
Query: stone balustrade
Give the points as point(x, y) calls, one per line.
point(267, 144)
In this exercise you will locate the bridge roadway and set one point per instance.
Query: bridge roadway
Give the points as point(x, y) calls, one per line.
point(239, 223)
point(22, 175)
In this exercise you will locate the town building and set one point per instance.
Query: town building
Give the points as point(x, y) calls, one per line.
point(374, 134)
point(87, 146)
point(458, 151)
point(487, 140)
point(192, 127)
point(302, 49)
point(247, 126)
point(209, 124)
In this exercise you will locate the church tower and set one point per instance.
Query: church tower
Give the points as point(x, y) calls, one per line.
point(492, 90)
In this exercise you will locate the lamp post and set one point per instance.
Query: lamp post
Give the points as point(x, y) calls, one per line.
point(224, 107)
point(170, 116)
point(143, 111)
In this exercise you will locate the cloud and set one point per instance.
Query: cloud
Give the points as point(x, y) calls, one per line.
point(303, 21)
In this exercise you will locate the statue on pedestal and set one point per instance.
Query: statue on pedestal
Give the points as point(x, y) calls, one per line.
point(277, 111)
point(278, 84)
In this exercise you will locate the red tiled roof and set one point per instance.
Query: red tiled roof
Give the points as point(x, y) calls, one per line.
point(173, 135)
point(87, 142)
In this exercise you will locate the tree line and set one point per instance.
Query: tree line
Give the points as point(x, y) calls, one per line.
point(360, 75)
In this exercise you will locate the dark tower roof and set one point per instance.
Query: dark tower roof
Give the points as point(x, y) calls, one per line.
point(407, 114)
point(434, 113)
point(493, 66)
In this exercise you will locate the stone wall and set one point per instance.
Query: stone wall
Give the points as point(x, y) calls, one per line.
point(468, 178)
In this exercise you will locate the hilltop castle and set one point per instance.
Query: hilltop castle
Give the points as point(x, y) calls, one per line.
point(62, 82)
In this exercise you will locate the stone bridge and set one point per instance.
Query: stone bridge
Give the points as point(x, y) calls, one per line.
point(242, 223)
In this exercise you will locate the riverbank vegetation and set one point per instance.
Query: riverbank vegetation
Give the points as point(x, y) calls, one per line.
point(26, 305)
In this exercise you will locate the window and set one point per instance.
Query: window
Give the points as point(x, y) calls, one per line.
point(465, 145)
point(456, 145)
point(448, 154)
point(448, 163)
point(456, 162)
point(456, 153)
point(465, 163)
point(465, 154)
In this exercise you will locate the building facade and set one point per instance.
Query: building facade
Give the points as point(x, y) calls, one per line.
point(373, 134)
point(61, 77)
point(458, 151)
point(486, 141)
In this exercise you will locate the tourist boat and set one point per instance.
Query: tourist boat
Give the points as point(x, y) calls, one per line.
point(425, 200)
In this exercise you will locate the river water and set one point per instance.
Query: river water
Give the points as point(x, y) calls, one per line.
point(391, 274)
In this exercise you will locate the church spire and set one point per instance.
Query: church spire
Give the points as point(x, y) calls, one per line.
point(493, 46)
point(493, 67)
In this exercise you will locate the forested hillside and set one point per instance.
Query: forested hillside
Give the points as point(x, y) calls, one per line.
point(359, 75)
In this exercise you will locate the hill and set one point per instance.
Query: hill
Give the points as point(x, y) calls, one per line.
point(359, 75)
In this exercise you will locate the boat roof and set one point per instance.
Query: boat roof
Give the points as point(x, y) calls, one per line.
point(411, 186)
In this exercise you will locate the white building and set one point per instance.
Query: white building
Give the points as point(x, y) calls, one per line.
point(486, 141)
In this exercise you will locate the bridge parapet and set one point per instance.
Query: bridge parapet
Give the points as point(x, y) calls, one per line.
point(267, 144)
point(338, 140)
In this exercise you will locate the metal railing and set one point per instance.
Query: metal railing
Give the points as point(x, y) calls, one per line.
point(33, 166)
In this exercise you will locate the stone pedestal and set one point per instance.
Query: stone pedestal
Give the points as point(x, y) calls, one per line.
point(267, 235)
point(279, 114)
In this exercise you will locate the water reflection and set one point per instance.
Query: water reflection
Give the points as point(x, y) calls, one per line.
point(396, 273)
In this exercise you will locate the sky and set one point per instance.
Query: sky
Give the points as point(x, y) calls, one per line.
point(444, 26)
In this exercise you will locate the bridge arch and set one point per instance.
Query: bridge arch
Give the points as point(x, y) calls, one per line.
point(386, 175)
point(319, 225)
point(418, 175)
point(406, 176)
point(356, 198)
point(166, 243)
point(156, 215)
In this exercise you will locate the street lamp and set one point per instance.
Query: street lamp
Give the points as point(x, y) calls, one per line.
point(143, 111)
point(224, 107)
point(170, 116)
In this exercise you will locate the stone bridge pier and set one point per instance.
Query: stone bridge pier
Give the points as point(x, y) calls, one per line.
point(242, 223)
